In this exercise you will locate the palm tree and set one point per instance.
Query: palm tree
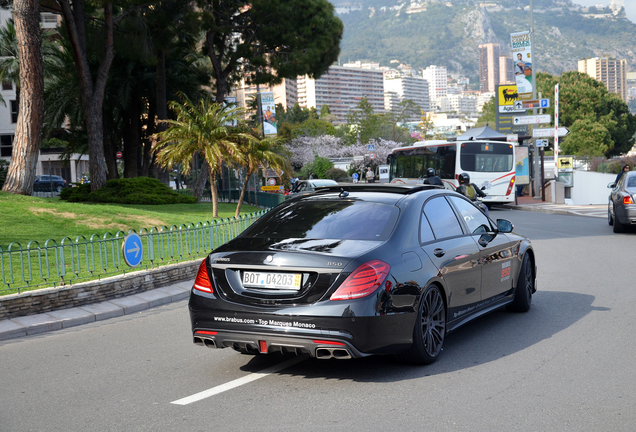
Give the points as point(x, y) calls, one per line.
point(257, 152)
point(204, 128)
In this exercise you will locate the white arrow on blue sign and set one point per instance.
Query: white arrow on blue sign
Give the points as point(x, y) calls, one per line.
point(132, 249)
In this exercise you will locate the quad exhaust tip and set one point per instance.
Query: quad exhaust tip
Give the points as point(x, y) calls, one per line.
point(205, 342)
point(329, 353)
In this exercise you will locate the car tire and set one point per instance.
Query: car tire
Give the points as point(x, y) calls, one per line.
point(430, 329)
point(618, 226)
point(59, 189)
point(610, 218)
point(525, 287)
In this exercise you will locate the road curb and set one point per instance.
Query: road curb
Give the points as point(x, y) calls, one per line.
point(60, 319)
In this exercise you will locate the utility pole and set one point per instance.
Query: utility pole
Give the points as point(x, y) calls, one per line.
point(535, 165)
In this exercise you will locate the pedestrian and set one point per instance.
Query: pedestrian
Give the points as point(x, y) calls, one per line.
point(370, 176)
point(620, 174)
point(311, 176)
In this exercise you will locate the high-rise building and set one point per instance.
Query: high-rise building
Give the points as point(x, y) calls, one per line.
point(506, 70)
point(342, 88)
point(399, 87)
point(437, 78)
point(612, 73)
point(489, 66)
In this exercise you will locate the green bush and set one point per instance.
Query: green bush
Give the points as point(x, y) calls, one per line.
point(336, 174)
point(138, 190)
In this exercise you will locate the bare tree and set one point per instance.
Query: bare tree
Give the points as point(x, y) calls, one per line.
point(28, 133)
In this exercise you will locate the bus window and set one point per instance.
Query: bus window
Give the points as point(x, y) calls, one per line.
point(491, 157)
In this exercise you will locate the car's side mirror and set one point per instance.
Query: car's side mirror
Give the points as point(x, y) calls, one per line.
point(504, 226)
point(611, 185)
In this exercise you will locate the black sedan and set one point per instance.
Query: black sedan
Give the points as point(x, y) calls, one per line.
point(355, 270)
point(621, 209)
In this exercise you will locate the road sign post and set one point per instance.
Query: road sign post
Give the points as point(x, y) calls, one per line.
point(132, 249)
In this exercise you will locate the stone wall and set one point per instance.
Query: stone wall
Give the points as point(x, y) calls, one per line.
point(64, 297)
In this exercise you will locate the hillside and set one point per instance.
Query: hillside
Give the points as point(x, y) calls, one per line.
point(448, 34)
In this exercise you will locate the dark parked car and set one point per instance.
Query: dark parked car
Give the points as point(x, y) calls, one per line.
point(621, 209)
point(354, 270)
point(49, 183)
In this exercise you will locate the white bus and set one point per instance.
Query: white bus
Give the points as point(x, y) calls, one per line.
point(489, 163)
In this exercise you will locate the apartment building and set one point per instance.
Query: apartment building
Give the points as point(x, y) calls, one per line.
point(612, 73)
point(458, 103)
point(489, 55)
point(506, 70)
point(437, 78)
point(342, 88)
point(399, 87)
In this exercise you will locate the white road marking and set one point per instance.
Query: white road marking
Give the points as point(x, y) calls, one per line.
point(237, 382)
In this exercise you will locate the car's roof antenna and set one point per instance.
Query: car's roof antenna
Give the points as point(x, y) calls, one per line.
point(343, 193)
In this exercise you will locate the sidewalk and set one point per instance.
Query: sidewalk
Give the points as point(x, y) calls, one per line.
point(528, 203)
point(61, 319)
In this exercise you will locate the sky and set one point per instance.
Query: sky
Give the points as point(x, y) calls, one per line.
point(630, 6)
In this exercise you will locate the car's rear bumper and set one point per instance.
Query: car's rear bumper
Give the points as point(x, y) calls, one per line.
point(331, 327)
point(628, 215)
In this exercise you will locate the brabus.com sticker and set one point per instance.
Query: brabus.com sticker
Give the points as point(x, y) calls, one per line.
point(270, 322)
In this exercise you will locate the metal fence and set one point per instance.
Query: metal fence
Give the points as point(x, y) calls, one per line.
point(71, 261)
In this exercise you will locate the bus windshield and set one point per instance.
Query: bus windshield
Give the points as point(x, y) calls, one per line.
point(413, 162)
point(486, 157)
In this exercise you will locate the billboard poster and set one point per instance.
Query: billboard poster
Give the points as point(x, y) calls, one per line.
point(522, 172)
point(522, 58)
point(268, 112)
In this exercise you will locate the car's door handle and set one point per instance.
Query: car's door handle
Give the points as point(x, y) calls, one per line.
point(439, 252)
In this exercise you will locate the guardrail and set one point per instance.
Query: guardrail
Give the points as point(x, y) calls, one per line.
point(53, 264)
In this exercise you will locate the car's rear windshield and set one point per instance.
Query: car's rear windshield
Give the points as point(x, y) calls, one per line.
point(346, 220)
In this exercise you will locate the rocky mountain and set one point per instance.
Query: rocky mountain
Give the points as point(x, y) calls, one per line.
point(447, 33)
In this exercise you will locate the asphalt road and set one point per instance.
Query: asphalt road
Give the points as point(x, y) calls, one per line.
point(567, 365)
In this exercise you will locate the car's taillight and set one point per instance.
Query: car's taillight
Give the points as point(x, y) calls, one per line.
point(628, 200)
point(202, 282)
point(364, 280)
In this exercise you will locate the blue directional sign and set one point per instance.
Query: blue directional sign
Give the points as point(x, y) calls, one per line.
point(132, 249)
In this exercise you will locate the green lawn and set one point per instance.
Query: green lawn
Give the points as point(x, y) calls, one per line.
point(25, 218)
point(47, 242)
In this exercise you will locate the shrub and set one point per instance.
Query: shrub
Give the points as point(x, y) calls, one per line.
point(336, 174)
point(138, 190)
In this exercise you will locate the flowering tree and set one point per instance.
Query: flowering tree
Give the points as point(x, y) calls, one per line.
point(305, 149)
